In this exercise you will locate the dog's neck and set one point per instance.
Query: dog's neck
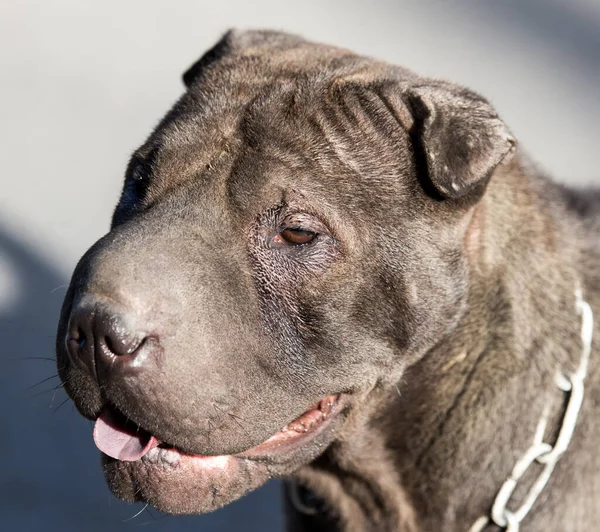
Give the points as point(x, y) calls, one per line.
point(436, 449)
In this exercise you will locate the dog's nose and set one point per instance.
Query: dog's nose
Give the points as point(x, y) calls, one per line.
point(101, 340)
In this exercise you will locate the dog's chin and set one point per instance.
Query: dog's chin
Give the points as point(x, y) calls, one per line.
point(179, 483)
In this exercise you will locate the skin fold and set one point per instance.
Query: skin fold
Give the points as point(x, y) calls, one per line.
point(306, 223)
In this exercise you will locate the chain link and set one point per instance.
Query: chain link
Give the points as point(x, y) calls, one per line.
point(541, 452)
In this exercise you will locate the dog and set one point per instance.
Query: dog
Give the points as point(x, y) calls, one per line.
point(328, 269)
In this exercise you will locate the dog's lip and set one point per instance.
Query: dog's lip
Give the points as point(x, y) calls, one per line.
point(293, 435)
point(303, 428)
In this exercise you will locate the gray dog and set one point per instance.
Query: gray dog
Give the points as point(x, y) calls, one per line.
point(327, 268)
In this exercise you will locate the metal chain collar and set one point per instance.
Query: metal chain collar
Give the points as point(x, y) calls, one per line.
point(539, 451)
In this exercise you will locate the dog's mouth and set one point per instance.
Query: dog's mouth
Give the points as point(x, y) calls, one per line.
point(122, 439)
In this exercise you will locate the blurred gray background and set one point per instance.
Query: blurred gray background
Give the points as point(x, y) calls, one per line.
point(83, 83)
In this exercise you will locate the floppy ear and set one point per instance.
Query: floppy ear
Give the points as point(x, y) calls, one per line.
point(218, 51)
point(240, 40)
point(458, 136)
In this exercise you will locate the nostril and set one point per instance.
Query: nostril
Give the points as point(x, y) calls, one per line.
point(76, 340)
point(119, 343)
point(80, 338)
point(108, 342)
point(104, 340)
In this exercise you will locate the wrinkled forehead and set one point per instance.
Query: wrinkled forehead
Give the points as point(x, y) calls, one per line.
point(254, 144)
point(338, 141)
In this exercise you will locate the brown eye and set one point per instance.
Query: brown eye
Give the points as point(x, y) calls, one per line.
point(295, 237)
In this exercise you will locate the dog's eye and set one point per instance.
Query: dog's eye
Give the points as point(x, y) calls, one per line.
point(139, 172)
point(139, 176)
point(294, 236)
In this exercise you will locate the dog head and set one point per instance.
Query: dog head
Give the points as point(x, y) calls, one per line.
point(290, 237)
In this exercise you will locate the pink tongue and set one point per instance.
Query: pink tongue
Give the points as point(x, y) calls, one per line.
point(115, 441)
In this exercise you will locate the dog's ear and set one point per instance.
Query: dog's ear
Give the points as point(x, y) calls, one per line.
point(457, 135)
point(240, 40)
point(218, 51)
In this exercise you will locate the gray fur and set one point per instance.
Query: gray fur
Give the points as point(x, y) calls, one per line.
point(438, 298)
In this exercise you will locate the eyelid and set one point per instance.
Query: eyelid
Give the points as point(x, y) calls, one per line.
point(304, 222)
point(138, 170)
point(141, 165)
point(298, 229)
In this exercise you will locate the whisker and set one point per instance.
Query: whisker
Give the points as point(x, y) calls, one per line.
point(149, 512)
point(146, 523)
point(133, 517)
point(230, 415)
point(42, 382)
point(54, 395)
point(61, 404)
point(154, 518)
point(32, 358)
point(211, 426)
point(54, 388)
point(58, 288)
point(237, 417)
